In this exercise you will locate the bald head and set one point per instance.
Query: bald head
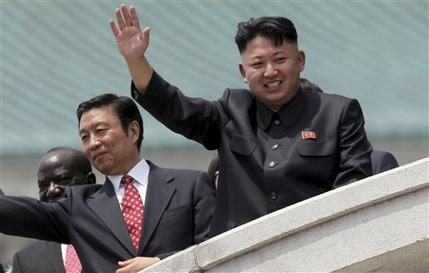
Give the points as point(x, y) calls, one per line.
point(61, 167)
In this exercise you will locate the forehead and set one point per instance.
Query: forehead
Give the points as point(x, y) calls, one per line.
point(100, 115)
point(55, 160)
point(261, 46)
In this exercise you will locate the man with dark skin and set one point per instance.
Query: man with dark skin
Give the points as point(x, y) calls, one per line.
point(59, 168)
point(278, 142)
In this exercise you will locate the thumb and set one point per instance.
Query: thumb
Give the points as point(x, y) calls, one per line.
point(146, 34)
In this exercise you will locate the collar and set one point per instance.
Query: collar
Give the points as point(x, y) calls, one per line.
point(140, 174)
point(288, 114)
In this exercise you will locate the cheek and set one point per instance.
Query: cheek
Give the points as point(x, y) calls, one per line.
point(85, 150)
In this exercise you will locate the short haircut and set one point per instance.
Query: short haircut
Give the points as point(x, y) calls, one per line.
point(125, 109)
point(77, 157)
point(279, 29)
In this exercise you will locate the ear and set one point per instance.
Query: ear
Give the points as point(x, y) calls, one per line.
point(301, 60)
point(242, 72)
point(90, 178)
point(134, 131)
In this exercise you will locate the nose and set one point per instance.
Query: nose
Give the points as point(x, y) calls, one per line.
point(54, 191)
point(94, 143)
point(270, 70)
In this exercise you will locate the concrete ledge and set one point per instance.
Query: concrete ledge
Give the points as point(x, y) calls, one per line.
point(359, 225)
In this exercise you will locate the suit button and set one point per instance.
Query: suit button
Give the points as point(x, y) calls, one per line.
point(276, 122)
point(273, 195)
point(272, 164)
point(275, 146)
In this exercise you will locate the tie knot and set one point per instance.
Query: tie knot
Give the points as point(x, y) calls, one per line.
point(126, 179)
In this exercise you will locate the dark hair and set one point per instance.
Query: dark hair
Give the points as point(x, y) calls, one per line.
point(213, 168)
point(125, 108)
point(279, 29)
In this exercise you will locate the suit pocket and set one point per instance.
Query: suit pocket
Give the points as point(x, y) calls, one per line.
point(242, 145)
point(316, 148)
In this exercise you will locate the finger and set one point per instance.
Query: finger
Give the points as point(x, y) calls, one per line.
point(115, 30)
point(121, 22)
point(146, 34)
point(134, 18)
point(125, 263)
point(124, 269)
point(126, 14)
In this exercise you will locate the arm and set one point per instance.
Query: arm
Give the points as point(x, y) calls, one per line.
point(132, 44)
point(354, 148)
point(204, 203)
point(48, 221)
point(189, 117)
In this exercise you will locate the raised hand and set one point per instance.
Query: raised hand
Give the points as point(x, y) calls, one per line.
point(131, 41)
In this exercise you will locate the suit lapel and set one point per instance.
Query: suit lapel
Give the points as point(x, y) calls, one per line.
point(55, 257)
point(160, 189)
point(105, 204)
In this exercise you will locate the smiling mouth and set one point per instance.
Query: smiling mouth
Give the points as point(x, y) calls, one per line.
point(98, 156)
point(272, 85)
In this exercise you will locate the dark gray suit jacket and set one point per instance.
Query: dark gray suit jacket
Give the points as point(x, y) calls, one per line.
point(382, 161)
point(178, 210)
point(248, 186)
point(39, 257)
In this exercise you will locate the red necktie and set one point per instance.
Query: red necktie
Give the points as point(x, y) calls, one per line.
point(132, 210)
point(72, 263)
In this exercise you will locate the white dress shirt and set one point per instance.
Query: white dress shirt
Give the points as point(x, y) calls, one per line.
point(140, 174)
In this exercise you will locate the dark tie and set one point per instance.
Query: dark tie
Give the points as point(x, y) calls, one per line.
point(132, 210)
point(72, 263)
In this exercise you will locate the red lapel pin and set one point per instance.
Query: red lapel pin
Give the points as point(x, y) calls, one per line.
point(308, 135)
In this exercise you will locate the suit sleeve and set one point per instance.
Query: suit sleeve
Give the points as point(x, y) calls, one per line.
point(28, 217)
point(383, 162)
point(204, 203)
point(354, 148)
point(194, 118)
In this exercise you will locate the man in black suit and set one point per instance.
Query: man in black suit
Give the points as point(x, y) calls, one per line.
point(176, 205)
point(58, 168)
point(278, 143)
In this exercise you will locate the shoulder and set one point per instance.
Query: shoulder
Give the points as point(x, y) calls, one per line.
point(187, 176)
point(82, 191)
point(176, 172)
point(334, 105)
point(237, 97)
point(329, 98)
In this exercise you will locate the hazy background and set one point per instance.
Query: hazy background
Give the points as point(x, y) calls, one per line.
point(55, 54)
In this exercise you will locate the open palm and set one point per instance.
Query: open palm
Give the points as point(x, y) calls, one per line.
point(131, 41)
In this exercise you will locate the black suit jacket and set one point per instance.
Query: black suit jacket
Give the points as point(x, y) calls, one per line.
point(382, 161)
point(39, 257)
point(248, 185)
point(178, 210)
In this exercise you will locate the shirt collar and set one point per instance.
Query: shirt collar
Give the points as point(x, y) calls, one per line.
point(288, 114)
point(140, 174)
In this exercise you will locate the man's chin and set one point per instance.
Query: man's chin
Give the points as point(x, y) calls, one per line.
point(103, 168)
